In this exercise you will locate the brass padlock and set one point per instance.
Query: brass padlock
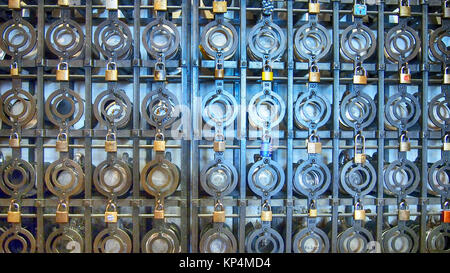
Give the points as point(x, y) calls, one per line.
point(445, 216)
point(63, 3)
point(111, 216)
point(219, 71)
point(314, 7)
point(14, 140)
point(446, 143)
point(405, 145)
point(314, 144)
point(159, 145)
point(312, 209)
point(112, 4)
point(403, 212)
point(360, 158)
point(160, 5)
point(360, 75)
point(219, 6)
point(266, 215)
point(447, 75)
point(111, 143)
point(405, 75)
point(14, 69)
point(219, 216)
point(219, 146)
point(14, 4)
point(267, 74)
point(446, 9)
point(62, 72)
point(360, 213)
point(160, 72)
point(159, 211)
point(111, 74)
point(62, 143)
point(314, 73)
point(405, 8)
point(62, 213)
point(13, 213)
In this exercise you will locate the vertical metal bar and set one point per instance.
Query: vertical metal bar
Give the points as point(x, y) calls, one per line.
point(185, 142)
point(380, 166)
point(290, 124)
point(242, 124)
point(88, 125)
point(40, 125)
point(424, 133)
point(196, 121)
point(335, 135)
point(136, 111)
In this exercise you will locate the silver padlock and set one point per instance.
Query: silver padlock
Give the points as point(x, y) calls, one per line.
point(112, 4)
point(405, 145)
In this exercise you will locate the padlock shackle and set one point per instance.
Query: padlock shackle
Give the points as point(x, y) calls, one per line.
point(111, 205)
point(360, 68)
point(358, 205)
point(403, 205)
point(446, 205)
point(111, 63)
point(219, 204)
point(14, 65)
point(363, 143)
point(219, 137)
point(58, 137)
point(406, 2)
point(159, 205)
point(405, 66)
point(312, 204)
point(363, 2)
point(267, 205)
point(111, 135)
point(313, 67)
point(446, 138)
point(159, 136)
point(403, 137)
point(14, 134)
point(312, 137)
point(14, 204)
point(62, 204)
point(62, 63)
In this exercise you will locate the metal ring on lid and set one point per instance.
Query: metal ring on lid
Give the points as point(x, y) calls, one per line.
point(161, 37)
point(57, 34)
point(219, 177)
point(113, 106)
point(402, 177)
point(57, 174)
point(64, 240)
point(358, 110)
point(265, 178)
point(312, 177)
point(113, 38)
point(160, 108)
point(312, 41)
point(437, 240)
point(217, 240)
point(358, 179)
point(361, 35)
point(400, 240)
point(439, 110)
point(398, 117)
point(17, 176)
point(402, 43)
point(311, 111)
point(64, 107)
point(219, 108)
point(264, 240)
point(17, 30)
point(13, 100)
point(17, 235)
point(310, 240)
point(112, 240)
point(162, 239)
point(112, 178)
point(266, 39)
point(354, 240)
point(266, 108)
point(439, 177)
point(219, 37)
point(160, 177)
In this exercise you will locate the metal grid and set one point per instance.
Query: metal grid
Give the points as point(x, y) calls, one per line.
point(195, 206)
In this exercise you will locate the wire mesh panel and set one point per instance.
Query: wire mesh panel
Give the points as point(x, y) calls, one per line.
point(224, 126)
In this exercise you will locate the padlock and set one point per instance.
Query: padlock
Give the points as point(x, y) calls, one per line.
point(405, 145)
point(62, 143)
point(445, 216)
point(160, 5)
point(360, 9)
point(404, 213)
point(219, 72)
point(446, 76)
point(111, 143)
point(63, 3)
point(266, 148)
point(266, 215)
point(111, 216)
point(112, 4)
point(159, 211)
point(159, 145)
point(160, 72)
point(360, 158)
point(14, 69)
point(13, 214)
point(111, 74)
point(446, 145)
point(360, 213)
point(62, 72)
point(219, 6)
point(219, 216)
point(312, 209)
point(314, 7)
point(405, 8)
point(267, 74)
point(446, 9)
point(62, 213)
point(219, 146)
point(405, 75)
point(314, 73)
point(14, 140)
point(314, 144)
point(14, 4)
point(360, 75)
